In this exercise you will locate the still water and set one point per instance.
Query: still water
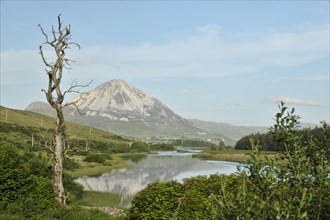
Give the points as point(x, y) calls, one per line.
point(161, 166)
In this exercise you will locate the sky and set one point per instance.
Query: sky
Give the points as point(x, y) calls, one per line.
point(220, 61)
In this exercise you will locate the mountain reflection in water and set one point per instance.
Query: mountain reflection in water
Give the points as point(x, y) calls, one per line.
point(163, 166)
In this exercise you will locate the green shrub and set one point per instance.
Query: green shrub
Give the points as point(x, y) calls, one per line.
point(97, 158)
point(139, 147)
point(70, 164)
point(21, 190)
point(157, 201)
point(196, 203)
point(162, 146)
point(293, 186)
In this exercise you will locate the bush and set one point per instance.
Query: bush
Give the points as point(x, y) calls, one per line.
point(157, 201)
point(139, 147)
point(21, 190)
point(70, 164)
point(97, 158)
point(162, 146)
point(190, 200)
point(196, 203)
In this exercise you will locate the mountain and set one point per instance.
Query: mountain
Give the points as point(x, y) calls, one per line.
point(127, 111)
point(117, 100)
point(231, 131)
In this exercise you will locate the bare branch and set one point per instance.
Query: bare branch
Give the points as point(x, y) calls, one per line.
point(59, 23)
point(74, 86)
point(72, 89)
point(75, 44)
point(43, 57)
point(43, 32)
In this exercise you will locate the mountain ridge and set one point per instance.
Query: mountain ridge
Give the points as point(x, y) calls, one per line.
point(127, 111)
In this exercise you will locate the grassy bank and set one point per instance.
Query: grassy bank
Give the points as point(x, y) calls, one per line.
point(117, 161)
point(231, 155)
point(97, 199)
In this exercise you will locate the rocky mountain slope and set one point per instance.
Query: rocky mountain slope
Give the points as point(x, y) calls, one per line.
point(117, 100)
point(125, 110)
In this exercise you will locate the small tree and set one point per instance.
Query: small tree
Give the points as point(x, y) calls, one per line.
point(59, 41)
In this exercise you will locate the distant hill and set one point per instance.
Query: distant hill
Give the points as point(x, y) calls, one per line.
point(231, 131)
point(235, 132)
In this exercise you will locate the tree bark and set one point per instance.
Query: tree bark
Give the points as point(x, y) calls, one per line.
point(59, 136)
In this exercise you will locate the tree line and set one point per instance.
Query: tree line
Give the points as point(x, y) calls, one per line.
point(268, 142)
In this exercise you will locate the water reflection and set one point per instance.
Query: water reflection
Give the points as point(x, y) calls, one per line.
point(155, 167)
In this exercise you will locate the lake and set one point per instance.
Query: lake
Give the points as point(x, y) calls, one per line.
point(161, 166)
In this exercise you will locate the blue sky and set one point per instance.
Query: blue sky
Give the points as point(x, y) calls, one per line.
point(223, 61)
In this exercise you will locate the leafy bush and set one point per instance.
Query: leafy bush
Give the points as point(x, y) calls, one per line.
point(26, 185)
point(21, 190)
point(70, 164)
point(139, 147)
point(293, 186)
point(157, 201)
point(162, 146)
point(97, 158)
point(196, 203)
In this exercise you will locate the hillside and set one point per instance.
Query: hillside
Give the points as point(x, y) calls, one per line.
point(231, 131)
point(41, 127)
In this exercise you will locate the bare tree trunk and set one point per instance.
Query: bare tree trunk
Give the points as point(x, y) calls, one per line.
point(58, 41)
point(59, 136)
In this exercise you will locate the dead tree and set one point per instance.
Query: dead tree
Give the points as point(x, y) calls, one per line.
point(59, 41)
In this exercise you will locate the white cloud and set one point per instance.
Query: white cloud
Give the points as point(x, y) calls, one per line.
point(293, 101)
point(210, 51)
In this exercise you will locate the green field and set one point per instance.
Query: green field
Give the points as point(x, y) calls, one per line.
point(231, 155)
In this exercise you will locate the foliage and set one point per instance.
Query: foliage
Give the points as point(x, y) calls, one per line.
point(157, 201)
point(139, 147)
point(100, 199)
point(264, 141)
point(97, 158)
point(194, 143)
point(294, 185)
point(70, 164)
point(24, 186)
point(195, 202)
point(162, 146)
point(269, 143)
point(76, 213)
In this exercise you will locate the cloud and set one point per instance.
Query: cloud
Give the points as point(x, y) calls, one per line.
point(209, 51)
point(293, 101)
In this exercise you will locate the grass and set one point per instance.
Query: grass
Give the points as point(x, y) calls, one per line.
point(97, 199)
point(73, 130)
point(96, 169)
point(231, 155)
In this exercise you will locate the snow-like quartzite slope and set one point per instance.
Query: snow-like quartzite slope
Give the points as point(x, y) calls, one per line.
point(117, 100)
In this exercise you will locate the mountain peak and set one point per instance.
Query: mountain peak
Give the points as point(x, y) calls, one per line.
point(114, 83)
point(117, 100)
